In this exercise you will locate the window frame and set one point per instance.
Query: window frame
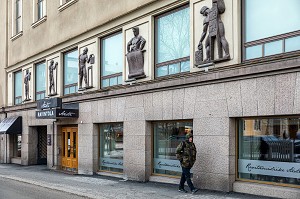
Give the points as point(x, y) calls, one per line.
point(153, 144)
point(19, 97)
point(237, 148)
point(18, 16)
point(44, 91)
point(281, 37)
point(119, 74)
point(110, 169)
point(73, 84)
point(170, 62)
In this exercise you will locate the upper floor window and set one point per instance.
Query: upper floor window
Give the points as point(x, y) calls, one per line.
point(71, 72)
point(111, 60)
point(40, 81)
point(172, 42)
point(267, 32)
point(18, 16)
point(18, 87)
point(65, 4)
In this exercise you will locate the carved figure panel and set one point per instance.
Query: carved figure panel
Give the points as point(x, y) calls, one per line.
point(85, 72)
point(52, 77)
point(135, 56)
point(213, 33)
point(27, 79)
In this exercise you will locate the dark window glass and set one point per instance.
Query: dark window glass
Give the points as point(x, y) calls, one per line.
point(18, 15)
point(269, 150)
point(111, 147)
point(167, 136)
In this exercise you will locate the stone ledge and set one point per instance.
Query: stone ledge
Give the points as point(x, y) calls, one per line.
point(66, 5)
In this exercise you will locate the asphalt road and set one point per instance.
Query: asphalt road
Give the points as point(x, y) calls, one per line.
point(11, 189)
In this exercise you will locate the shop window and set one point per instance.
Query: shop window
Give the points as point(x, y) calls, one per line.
point(112, 60)
point(167, 136)
point(111, 147)
point(172, 42)
point(17, 145)
point(271, 154)
point(71, 72)
point(18, 87)
point(268, 33)
point(40, 80)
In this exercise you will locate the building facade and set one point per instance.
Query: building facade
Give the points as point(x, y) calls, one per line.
point(111, 87)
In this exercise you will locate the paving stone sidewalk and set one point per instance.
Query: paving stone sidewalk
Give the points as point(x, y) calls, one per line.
point(100, 187)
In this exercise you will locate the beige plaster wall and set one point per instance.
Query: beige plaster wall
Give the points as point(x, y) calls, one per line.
point(3, 51)
point(60, 26)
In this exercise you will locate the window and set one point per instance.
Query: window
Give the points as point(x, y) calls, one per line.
point(172, 42)
point(266, 31)
point(40, 81)
point(40, 9)
point(71, 72)
point(65, 4)
point(112, 60)
point(17, 145)
point(271, 154)
point(18, 16)
point(18, 87)
point(111, 147)
point(167, 136)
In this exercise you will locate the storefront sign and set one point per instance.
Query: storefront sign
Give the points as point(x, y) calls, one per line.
point(57, 113)
point(165, 164)
point(270, 168)
point(49, 103)
point(112, 163)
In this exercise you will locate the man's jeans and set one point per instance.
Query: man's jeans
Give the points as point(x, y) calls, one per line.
point(186, 176)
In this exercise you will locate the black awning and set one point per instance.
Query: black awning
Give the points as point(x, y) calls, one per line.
point(11, 125)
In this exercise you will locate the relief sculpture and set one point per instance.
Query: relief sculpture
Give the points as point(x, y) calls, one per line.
point(213, 25)
point(26, 83)
point(83, 59)
point(135, 55)
point(52, 67)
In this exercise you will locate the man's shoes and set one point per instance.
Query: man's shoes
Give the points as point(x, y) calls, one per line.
point(194, 190)
point(182, 190)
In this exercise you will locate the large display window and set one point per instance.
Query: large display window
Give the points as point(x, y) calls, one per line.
point(167, 136)
point(269, 150)
point(111, 147)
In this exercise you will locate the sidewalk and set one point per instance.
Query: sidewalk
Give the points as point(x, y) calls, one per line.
point(101, 187)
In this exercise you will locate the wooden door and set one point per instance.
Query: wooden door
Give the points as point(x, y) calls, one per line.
point(70, 148)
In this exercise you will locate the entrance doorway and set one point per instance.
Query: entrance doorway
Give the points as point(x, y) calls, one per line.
point(70, 148)
point(42, 145)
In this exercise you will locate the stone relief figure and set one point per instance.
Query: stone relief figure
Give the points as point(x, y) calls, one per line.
point(26, 83)
point(135, 55)
point(83, 59)
point(213, 24)
point(52, 67)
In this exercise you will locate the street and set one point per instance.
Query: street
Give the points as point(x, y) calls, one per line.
point(11, 189)
point(24, 182)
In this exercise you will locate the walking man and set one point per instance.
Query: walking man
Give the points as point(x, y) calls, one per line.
point(186, 154)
